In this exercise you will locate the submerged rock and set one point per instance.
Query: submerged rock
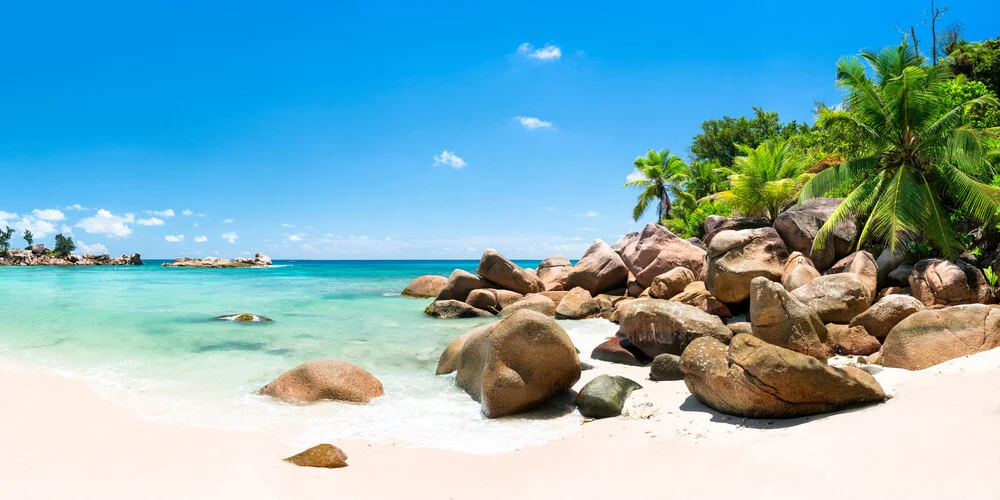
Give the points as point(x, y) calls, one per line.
point(604, 396)
point(244, 318)
point(325, 379)
point(322, 455)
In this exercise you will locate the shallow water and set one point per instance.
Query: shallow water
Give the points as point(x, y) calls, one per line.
point(145, 337)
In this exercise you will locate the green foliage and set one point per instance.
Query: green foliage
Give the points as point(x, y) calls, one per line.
point(979, 62)
point(765, 179)
point(718, 138)
point(5, 240)
point(834, 139)
point(662, 172)
point(28, 237)
point(925, 160)
point(991, 276)
point(691, 223)
point(962, 90)
point(64, 245)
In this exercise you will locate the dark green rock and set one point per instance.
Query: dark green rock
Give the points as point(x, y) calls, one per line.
point(605, 396)
point(666, 367)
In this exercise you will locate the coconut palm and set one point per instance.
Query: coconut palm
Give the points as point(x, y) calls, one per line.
point(661, 173)
point(764, 179)
point(925, 159)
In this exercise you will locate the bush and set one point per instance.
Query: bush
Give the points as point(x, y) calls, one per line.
point(64, 245)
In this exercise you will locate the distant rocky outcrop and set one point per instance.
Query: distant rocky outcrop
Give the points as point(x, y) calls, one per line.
point(258, 260)
point(38, 255)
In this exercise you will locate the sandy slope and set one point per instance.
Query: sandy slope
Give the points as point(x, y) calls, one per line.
point(938, 438)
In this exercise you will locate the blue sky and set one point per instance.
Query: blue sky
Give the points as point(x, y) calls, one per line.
point(319, 129)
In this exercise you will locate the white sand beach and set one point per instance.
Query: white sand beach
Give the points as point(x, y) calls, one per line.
point(936, 438)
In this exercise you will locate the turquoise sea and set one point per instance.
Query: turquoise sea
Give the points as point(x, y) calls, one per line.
point(145, 337)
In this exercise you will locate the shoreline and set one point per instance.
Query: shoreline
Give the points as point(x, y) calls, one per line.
point(102, 448)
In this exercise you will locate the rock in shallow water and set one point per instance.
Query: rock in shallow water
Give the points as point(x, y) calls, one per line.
point(514, 365)
point(322, 455)
point(605, 396)
point(426, 286)
point(453, 309)
point(325, 379)
point(244, 318)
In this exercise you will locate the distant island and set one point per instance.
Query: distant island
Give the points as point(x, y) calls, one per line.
point(259, 260)
point(41, 256)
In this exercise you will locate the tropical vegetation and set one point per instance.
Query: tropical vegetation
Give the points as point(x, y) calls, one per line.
point(64, 245)
point(29, 238)
point(911, 149)
point(5, 240)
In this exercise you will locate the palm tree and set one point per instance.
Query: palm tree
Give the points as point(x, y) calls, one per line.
point(661, 173)
point(925, 159)
point(764, 179)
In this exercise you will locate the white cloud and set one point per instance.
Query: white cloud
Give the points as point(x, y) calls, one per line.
point(77, 207)
point(636, 175)
point(231, 236)
point(228, 221)
point(96, 248)
point(545, 54)
point(4, 216)
point(38, 228)
point(165, 213)
point(107, 223)
point(294, 237)
point(152, 221)
point(449, 158)
point(532, 123)
point(174, 238)
point(66, 229)
point(49, 214)
point(591, 213)
point(549, 208)
point(200, 239)
point(187, 212)
point(288, 225)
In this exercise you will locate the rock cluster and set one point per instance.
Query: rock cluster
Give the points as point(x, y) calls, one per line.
point(40, 256)
point(258, 260)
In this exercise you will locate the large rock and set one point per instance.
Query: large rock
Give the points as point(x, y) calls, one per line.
point(851, 340)
point(492, 300)
point(325, 379)
point(737, 257)
point(887, 262)
point(799, 271)
point(38, 249)
point(658, 326)
point(460, 284)
point(734, 224)
point(323, 455)
point(779, 318)
point(658, 251)
point(837, 298)
point(450, 357)
point(933, 336)
point(695, 294)
point(425, 286)
point(752, 378)
point(599, 270)
point(879, 319)
point(578, 304)
point(671, 283)
point(799, 224)
point(624, 241)
point(553, 271)
point(535, 302)
point(604, 396)
point(500, 270)
point(619, 350)
point(453, 309)
point(516, 364)
point(666, 367)
point(942, 282)
point(862, 264)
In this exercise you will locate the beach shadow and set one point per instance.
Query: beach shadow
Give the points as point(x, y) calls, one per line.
point(559, 406)
point(693, 405)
